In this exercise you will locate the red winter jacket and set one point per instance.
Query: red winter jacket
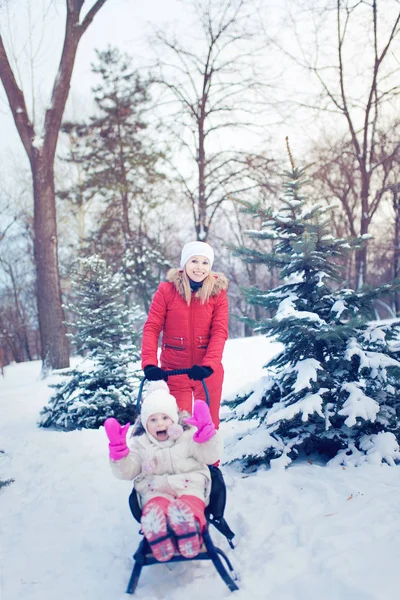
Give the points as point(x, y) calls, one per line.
point(192, 335)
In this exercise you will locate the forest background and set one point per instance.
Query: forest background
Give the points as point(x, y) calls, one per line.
point(176, 112)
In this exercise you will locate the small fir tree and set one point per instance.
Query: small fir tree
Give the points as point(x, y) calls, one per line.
point(335, 386)
point(106, 333)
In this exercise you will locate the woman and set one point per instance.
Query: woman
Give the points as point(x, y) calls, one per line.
point(191, 311)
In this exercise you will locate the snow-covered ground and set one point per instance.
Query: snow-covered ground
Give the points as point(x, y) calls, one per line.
point(307, 533)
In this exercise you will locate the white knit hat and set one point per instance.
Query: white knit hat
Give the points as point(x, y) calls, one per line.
point(196, 249)
point(158, 400)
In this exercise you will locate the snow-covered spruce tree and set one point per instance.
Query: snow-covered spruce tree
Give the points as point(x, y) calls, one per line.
point(105, 332)
point(142, 267)
point(334, 389)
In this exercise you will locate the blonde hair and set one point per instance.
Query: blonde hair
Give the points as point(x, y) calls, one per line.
point(203, 293)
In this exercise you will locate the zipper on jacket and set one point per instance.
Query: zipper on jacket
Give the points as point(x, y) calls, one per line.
point(172, 471)
point(173, 347)
point(191, 339)
point(203, 345)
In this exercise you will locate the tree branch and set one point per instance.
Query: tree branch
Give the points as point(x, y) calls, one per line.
point(341, 83)
point(17, 103)
point(91, 15)
point(73, 34)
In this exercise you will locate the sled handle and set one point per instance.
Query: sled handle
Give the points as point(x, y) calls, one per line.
point(172, 372)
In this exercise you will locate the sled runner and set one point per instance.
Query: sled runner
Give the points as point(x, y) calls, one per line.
point(214, 513)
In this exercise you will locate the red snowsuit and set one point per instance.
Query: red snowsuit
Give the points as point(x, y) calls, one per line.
point(191, 335)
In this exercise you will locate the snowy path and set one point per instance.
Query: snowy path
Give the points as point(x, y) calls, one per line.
point(66, 531)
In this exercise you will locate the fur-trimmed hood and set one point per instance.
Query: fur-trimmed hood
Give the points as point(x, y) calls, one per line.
point(175, 276)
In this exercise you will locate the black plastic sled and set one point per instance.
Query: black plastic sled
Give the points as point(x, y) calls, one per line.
point(214, 515)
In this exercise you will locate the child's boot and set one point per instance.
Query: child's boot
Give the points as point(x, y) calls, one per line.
point(185, 527)
point(155, 529)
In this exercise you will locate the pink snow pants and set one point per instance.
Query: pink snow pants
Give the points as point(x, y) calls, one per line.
point(196, 506)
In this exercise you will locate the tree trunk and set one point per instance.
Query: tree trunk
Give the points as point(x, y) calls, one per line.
point(54, 344)
point(126, 226)
point(396, 244)
point(361, 267)
point(21, 320)
point(202, 229)
point(362, 254)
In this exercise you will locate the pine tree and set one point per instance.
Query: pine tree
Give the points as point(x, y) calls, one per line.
point(118, 162)
point(335, 386)
point(143, 266)
point(106, 334)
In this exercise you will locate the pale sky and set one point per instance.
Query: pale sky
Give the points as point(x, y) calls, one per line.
point(120, 22)
point(127, 24)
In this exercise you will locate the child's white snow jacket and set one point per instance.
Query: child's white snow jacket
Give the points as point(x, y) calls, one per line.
point(169, 469)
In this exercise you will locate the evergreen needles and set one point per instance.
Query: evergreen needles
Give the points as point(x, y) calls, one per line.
point(334, 387)
point(105, 332)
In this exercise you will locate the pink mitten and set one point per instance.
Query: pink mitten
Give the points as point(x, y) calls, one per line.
point(202, 420)
point(117, 436)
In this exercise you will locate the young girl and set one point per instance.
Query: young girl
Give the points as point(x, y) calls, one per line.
point(167, 460)
point(191, 311)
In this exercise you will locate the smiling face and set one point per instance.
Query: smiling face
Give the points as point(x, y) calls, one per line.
point(197, 268)
point(157, 425)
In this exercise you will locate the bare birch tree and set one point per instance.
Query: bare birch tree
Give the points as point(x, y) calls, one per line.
point(214, 93)
point(335, 176)
point(41, 149)
point(358, 78)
